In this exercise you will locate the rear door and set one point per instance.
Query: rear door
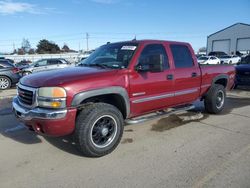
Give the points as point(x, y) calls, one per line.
point(187, 74)
point(151, 90)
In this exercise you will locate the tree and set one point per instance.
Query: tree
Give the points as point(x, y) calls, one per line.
point(20, 51)
point(31, 51)
point(45, 46)
point(26, 45)
point(202, 49)
point(65, 48)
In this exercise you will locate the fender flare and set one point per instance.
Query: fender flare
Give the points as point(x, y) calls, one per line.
point(78, 98)
point(222, 76)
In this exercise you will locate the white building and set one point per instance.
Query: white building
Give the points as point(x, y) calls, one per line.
point(231, 39)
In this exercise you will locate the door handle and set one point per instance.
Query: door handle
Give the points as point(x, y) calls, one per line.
point(194, 74)
point(170, 77)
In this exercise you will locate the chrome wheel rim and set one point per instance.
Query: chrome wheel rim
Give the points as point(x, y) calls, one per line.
point(103, 131)
point(4, 83)
point(220, 99)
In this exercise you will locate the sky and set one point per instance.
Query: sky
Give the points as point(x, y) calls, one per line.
point(68, 21)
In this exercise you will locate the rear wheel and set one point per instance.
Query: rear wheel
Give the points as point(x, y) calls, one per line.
point(5, 83)
point(215, 99)
point(99, 128)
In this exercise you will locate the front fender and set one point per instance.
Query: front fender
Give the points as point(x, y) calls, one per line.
point(78, 98)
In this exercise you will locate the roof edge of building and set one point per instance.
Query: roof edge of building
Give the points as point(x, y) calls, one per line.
point(239, 23)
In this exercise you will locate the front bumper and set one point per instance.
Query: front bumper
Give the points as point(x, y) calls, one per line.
point(46, 121)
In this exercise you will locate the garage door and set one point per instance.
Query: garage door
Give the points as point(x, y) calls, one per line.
point(243, 44)
point(221, 45)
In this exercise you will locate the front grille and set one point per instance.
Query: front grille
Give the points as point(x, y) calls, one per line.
point(25, 96)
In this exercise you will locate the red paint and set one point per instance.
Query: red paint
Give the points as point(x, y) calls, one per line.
point(80, 79)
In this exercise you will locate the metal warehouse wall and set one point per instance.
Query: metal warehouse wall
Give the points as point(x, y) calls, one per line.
point(229, 36)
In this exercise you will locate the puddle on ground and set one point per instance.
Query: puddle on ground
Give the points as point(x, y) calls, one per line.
point(174, 120)
point(127, 140)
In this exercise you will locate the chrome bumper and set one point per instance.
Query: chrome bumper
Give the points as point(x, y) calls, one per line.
point(36, 113)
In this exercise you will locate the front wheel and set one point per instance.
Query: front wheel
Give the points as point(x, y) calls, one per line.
point(99, 128)
point(215, 99)
point(5, 83)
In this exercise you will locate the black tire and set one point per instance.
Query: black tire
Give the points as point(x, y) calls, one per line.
point(96, 123)
point(215, 99)
point(5, 83)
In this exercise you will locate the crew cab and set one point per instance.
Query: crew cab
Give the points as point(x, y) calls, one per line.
point(119, 82)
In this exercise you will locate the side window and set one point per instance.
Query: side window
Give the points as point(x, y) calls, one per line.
point(182, 56)
point(213, 58)
point(154, 49)
point(42, 63)
point(60, 62)
point(52, 62)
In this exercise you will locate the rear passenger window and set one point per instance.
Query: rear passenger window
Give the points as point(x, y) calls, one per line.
point(182, 56)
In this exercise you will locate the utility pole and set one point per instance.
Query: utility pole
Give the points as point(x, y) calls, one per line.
point(87, 40)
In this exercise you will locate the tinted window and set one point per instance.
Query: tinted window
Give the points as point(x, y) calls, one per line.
point(182, 56)
point(154, 49)
point(53, 62)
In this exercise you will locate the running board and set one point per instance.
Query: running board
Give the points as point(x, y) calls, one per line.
point(159, 114)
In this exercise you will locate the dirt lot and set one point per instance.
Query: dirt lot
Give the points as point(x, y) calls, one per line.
point(190, 149)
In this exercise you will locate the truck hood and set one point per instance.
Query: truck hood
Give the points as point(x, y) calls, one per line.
point(243, 67)
point(63, 76)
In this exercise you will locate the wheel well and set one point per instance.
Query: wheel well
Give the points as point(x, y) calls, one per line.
point(221, 81)
point(113, 99)
point(7, 77)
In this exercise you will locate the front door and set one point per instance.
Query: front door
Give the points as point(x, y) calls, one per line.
point(151, 90)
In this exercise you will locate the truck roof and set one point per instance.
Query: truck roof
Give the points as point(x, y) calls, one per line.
point(146, 41)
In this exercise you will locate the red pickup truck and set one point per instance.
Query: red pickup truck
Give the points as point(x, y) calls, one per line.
point(119, 82)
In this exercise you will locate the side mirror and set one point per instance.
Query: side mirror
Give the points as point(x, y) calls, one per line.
point(142, 68)
point(151, 63)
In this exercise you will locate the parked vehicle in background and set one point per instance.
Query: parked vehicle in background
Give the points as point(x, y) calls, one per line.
point(230, 59)
point(45, 65)
point(9, 74)
point(243, 72)
point(23, 64)
point(217, 53)
point(119, 82)
point(239, 53)
point(208, 60)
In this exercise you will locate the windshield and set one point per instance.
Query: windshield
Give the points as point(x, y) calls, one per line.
point(225, 56)
point(203, 58)
point(115, 56)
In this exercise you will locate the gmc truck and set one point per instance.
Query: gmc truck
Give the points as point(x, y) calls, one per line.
point(119, 82)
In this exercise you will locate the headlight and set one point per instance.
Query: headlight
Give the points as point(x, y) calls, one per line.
point(51, 97)
point(52, 92)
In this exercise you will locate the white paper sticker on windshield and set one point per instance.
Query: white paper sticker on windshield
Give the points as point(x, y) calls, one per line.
point(128, 48)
